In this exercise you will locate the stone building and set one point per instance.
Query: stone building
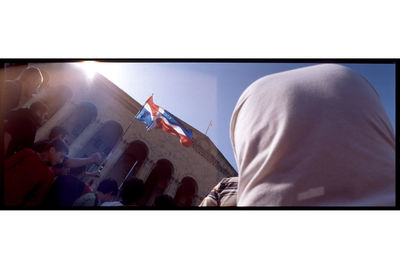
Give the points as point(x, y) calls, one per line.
point(100, 117)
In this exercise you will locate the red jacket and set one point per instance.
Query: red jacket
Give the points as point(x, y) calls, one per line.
point(27, 179)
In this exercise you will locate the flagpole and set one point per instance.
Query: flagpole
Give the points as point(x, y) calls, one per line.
point(128, 175)
point(208, 127)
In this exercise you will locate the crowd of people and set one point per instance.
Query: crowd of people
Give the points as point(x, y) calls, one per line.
point(41, 173)
point(314, 136)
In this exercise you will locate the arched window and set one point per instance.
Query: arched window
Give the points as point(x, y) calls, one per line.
point(79, 119)
point(104, 140)
point(130, 161)
point(56, 98)
point(157, 182)
point(186, 192)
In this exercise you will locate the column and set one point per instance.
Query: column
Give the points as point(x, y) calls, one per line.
point(84, 137)
point(119, 150)
point(172, 187)
point(145, 170)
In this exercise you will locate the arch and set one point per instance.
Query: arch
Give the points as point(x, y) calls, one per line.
point(186, 192)
point(136, 152)
point(56, 99)
point(104, 140)
point(157, 181)
point(79, 119)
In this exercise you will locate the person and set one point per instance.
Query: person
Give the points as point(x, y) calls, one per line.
point(28, 177)
point(59, 132)
point(67, 189)
point(164, 201)
point(21, 127)
point(223, 194)
point(107, 189)
point(17, 92)
point(314, 136)
point(131, 191)
point(78, 172)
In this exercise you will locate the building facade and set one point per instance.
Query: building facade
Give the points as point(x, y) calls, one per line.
point(100, 117)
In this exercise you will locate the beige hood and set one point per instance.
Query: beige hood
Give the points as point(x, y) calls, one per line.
point(313, 136)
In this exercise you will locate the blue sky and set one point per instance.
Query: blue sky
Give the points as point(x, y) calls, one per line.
point(202, 92)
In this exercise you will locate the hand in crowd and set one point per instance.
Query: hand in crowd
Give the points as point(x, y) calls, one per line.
point(93, 174)
point(95, 158)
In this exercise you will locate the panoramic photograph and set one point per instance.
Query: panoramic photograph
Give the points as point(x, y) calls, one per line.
point(177, 134)
point(102, 134)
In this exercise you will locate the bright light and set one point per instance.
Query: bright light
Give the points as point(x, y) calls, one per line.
point(90, 68)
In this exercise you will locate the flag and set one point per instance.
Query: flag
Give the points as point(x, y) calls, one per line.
point(155, 116)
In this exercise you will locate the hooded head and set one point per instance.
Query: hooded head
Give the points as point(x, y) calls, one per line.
point(313, 136)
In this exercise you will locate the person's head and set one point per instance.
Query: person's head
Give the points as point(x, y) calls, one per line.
point(78, 172)
point(58, 132)
point(131, 191)
point(107, 189)
point(56, 151)
point(31, 79)
point(65, 190)
point(39, 111)
point(164, 200)
point(317, 135)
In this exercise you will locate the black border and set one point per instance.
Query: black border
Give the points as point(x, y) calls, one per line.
point(208, 60)
point(395, 61)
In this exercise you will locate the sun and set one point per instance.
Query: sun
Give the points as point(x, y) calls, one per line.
point(90, 68)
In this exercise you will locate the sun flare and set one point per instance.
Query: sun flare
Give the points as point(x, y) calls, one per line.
point(90, 68)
